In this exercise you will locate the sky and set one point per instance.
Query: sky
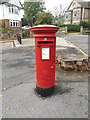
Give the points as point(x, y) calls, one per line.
point(51, 4)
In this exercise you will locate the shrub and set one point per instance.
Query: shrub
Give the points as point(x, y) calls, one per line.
point(84, 24)
point(26, 33)
point(5, 30)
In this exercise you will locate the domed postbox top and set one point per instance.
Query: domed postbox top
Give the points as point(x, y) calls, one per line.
point(44, 30)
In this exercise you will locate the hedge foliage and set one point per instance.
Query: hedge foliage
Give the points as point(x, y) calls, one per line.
point(71, 28)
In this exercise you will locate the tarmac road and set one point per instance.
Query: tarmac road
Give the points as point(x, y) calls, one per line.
point(81, 41)
point(69, 100)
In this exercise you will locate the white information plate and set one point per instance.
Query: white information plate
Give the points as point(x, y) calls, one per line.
point(45, 53)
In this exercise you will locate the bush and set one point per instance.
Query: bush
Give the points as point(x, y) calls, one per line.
point(26, 33)
point(71, 28)
point(84, 24)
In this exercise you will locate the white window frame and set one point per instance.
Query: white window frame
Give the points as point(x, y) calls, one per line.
point(75, 12)
point(14, 23)
point(69, 15)
point(74, 22)
point(78, 12)
point(13, 9)
point(78, 22)
point(66, 16)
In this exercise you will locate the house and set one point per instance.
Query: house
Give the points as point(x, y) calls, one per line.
point(11, 14)
point(77, 11)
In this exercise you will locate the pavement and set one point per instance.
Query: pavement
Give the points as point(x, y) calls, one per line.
point(19, 99)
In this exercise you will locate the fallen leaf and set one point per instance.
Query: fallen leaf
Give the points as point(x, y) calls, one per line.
point(81, 95)
point(79, 52)
point(4, 89)
point(88, 75)
point(8, 108)
point(86, 94)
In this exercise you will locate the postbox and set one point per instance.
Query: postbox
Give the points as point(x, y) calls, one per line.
point(45, 49)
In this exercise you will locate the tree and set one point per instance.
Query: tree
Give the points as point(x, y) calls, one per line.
point(43, 18)
point(24, 21)
point(31, 9)
point(59, 13)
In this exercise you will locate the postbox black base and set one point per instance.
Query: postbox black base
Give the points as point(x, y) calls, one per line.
point(45, 91)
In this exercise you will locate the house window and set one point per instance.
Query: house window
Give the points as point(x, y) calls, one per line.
point(66, 16)
point(75, 13)
point(78, 23)
point(74, 5)
point(69, 15)
point(13, 9)
point(74, 22)
point(11, 24)
point(78, 13)
point(9, 9)
point(14, 23)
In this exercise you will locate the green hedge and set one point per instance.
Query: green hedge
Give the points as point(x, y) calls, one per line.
point(71, 28)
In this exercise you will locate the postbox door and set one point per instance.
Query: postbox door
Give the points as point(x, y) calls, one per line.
point(45, 65)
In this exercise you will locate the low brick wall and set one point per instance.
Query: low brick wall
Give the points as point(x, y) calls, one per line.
point(70, 62)
point(11, 34)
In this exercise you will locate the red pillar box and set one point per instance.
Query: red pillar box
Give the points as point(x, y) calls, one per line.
point(45, 47)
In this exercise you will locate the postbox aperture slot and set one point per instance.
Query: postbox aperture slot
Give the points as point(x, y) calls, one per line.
point(45, 42)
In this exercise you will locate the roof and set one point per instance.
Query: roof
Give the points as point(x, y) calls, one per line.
point(83, 3)
point(12, 2)
point(4, 1)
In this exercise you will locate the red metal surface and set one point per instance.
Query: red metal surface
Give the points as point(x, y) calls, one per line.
point(45, 68)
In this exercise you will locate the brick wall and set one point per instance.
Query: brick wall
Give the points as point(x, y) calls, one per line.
point(5, 22)
point(15, 29)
